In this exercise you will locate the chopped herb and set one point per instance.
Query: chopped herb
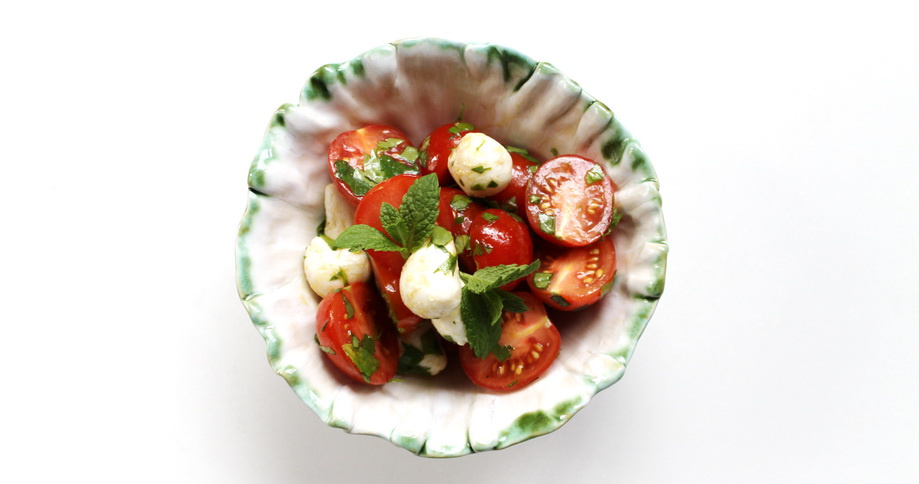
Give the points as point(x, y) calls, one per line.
point(546, 223)
point(448, 266)
point(349, 309)
point(459, 127)
point(535, 199)
point(532, 169)
point(554, 152)
point(360, 351)
point(459, 220)
point(440, 236)
point(316, 338)
point(482, 249)
point(594, 175)
point(480, 169)
point(461, 242)
point(606, 288)
point(490, 217)
point(492, 184)
point(423, 159)
point(320, 229)
point(410, 361)
point(340, 276)
point(511, 383)
point(460, 202)
point(514, 215)
point(410, 153)
point(478, 187)
point(542, 279)
point(389, 143)
point(354, 179)
point(522, 152)
point(326, 349)
point(560, 301)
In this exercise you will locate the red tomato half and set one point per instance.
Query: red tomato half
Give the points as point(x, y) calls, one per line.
point(353, 332)
point(573, 278)
point(535, 343)
point(513, 198)
point(387, 266)
point(570, 201)
point(436, 149)
point(457, 211)
point(360, 159)
point(497, 238)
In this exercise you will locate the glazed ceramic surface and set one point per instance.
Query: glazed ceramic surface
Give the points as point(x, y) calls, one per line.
point(418, 85)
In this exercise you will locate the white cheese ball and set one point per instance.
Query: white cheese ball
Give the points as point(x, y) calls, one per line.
point(339, 214)
point(480, 165)
point(328, 270)
point(427, 289)
point(451, 327)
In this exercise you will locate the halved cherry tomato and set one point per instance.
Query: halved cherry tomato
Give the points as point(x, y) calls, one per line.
point(513, 198)
point(436, 148)
point(573, 278)
point(570, 201)
point(353, 332)
point(387, 266)
point(457, 211)
point(360, 159)
point(497, 238)
point(533, 342)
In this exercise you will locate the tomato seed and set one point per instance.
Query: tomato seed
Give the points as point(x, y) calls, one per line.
point(594, 251)
point(538, 346)
point(588, 280)
point(591, 266)
point(535, 355)
point(599, 272)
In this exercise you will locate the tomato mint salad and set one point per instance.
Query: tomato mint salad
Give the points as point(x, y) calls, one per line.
point(463, 242)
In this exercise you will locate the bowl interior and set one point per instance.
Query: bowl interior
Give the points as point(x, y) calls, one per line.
point(416, 86)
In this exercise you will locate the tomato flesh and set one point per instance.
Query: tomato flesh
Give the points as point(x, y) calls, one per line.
point(353, 312)
point(569, 201)
point(497, 238)
point(457, 212)
point(371, 154)
point(570, 279)
point(513, 198)
point(387, 266)
point(535, 343)
point(435, 149)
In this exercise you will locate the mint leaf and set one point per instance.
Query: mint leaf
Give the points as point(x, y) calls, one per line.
point(480, 312)
point(522, 152)
point(365, 237)
point(457, 128)
point(393, 223)
point(594, 175)
point(420, 209)
point(448, 266)
point(410, 361)
point(354, 179)
point(489, 278)
point(542, 279)
point(512, 302)
point(361, 354)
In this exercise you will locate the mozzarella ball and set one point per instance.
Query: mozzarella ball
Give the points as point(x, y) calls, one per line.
point(339, 214)
point(451, 327)
point(428, 288)
point(480, 165)
point(422, 352)
point(328, 270)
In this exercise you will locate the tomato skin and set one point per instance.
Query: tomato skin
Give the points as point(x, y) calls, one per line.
point(563, 208)
point(387, 266)
point(527, 333)
point(458, 222)
point(435, 150)
point(513, 198)
point(578, 274)
point(501, 240)
point(334, 328)
point(352, 146)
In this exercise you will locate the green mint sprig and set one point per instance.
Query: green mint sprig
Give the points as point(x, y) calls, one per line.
point(483, 302)
point(408, 227)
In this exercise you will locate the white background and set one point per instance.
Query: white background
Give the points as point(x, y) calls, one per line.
point(785, 136)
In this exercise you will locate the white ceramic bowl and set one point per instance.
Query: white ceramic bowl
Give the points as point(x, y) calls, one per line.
point(418, 85)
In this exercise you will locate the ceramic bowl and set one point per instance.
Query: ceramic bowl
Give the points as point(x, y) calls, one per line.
point(418, 85)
